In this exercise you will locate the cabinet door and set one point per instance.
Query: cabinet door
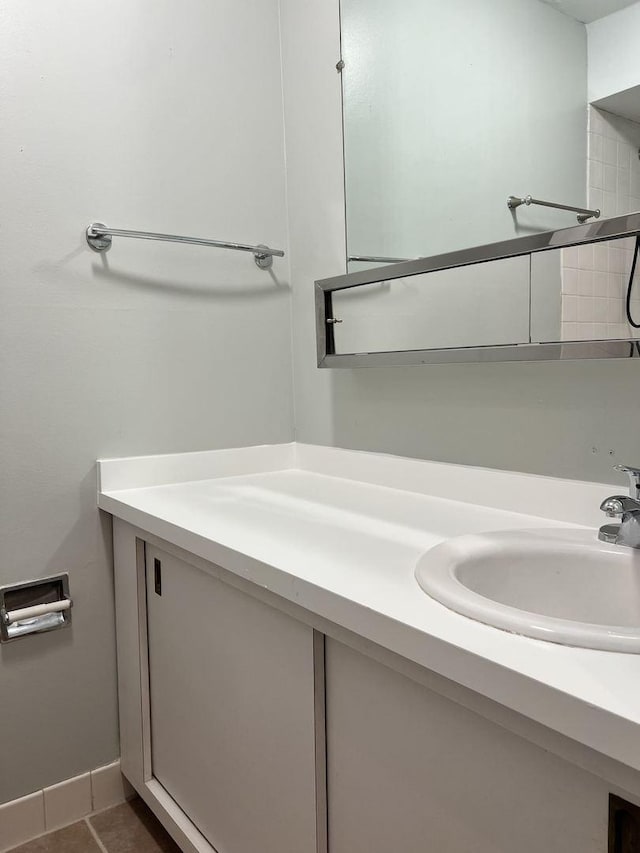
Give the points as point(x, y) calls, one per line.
point(409, 771)
point(232, 711)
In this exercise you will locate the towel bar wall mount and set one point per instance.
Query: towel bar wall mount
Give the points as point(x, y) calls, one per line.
point(100, 237)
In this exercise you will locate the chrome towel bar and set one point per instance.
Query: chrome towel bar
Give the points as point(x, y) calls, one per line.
point(377, 259)
point(99, 238)
point(584, 213)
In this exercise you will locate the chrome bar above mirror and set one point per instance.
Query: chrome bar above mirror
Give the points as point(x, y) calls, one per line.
point(584, 213)
point(99, 237)
point(377, 259)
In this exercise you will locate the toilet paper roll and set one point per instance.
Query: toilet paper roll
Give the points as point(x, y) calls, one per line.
point(24, 613)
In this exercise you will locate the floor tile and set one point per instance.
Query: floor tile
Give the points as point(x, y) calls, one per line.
point(132, 828)
point(76, 838)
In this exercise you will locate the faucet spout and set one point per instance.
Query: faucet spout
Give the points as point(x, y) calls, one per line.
point(629, 532)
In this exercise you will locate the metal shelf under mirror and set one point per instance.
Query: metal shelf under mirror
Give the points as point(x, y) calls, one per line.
point(564, 294)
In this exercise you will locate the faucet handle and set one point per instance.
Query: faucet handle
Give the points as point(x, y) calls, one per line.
point(612, 506)
point(634, 479)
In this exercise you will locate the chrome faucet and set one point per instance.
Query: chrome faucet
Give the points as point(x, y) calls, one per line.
point(627, 509)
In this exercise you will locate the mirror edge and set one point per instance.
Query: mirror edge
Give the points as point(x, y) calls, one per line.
point(615, 228)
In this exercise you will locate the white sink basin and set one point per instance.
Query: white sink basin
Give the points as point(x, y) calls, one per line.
point(560, 585)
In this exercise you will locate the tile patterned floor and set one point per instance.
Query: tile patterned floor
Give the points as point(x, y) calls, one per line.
point(127, 828)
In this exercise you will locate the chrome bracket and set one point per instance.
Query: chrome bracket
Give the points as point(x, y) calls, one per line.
point(98, 242)
point(264, 262)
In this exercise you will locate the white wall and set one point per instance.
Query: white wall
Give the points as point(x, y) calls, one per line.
point(151, 115)
point(552, 418)
point(614, 43)
point(452, 107)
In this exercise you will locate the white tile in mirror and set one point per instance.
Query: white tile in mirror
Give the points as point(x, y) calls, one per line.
point(595, 278)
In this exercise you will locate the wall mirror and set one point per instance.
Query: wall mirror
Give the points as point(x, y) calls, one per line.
point(483, 130)
point(452, 107)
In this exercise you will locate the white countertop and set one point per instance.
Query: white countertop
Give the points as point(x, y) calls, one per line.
point(339, 533)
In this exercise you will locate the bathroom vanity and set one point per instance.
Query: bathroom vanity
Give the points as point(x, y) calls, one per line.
point(285, 683)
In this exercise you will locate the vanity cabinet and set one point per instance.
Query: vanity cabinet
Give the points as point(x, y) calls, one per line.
point(231, 712)
point(251, 725)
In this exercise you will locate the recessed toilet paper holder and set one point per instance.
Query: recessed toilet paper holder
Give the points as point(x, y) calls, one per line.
point(32, 607)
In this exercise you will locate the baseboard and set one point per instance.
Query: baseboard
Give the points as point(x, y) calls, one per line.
point(62, 804)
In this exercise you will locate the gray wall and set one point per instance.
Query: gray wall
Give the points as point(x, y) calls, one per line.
point(152, 115)
point(554, 418)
